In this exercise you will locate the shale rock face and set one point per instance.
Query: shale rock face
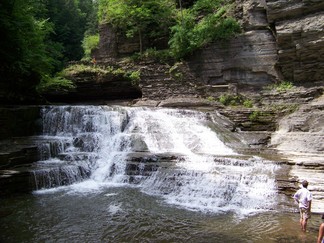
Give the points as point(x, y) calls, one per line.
point(302, 131)
point(159, 82)
point(299, 27)
point(112, 44)
point(247, 60)
point(280, 40)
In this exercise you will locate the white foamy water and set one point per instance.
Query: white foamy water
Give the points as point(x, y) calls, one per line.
point(94, 142)
point(167, 130)
point(243, 187)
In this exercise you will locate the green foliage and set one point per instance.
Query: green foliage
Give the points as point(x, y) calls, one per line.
point(235, 100)
point(211, 98)
point(255, 115)
point(24, 56)
point(89, 8)
point(72, 70)
point(194, 30)
point(135, 77)
point(206, 6)
point(281, 86)
point(57, 83)
point(175, 71)
point(90, 43)
point(82, 68)
point(163, 56)
point(284, 108)
point(232, 100)
point(188, 29)
point(38, 38)
point(248, 103)
point(138, 17)
point(69, 23)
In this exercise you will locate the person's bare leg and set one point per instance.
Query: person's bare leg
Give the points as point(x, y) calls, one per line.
point(304, 224)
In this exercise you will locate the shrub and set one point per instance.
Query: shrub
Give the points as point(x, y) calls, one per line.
point(56, 83)
point(82, 68)
point(163, 56)
point(135, 77)
point(233, 100)
point(248, 103)
point(194, 31)
point(281, 86)
point(176, 72)
point(255, 115)
point(90, 43)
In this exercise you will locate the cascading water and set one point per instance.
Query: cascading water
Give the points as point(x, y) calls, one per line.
point(88, 146)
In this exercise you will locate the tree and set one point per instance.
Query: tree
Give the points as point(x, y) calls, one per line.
point(138, 17)
point(37, 37)
point(204, 22)
point(69, 26)
point(23, 53)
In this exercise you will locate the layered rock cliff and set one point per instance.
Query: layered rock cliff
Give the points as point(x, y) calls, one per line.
point(281, 40)
point(299, 27)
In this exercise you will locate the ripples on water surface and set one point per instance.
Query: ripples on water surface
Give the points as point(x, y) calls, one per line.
point(124, 214)
point(198, 198)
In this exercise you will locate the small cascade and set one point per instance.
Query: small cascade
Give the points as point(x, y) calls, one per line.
point(72, 138)
point(167, 152)
point(217, 184)
point(59, 176)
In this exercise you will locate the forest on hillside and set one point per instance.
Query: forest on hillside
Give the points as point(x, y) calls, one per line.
point(40, 37)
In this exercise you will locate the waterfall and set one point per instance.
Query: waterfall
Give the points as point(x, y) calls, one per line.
point(89, 147)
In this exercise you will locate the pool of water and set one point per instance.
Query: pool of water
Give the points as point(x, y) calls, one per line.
point(208, 194)
point(125, 214)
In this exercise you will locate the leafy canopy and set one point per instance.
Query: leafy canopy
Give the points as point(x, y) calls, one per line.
point(206, 21)
point(187, 29)
point(24, 54)
point(138, 17)
point(38, 38)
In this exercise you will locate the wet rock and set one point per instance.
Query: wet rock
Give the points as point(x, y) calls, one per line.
point(15, 181)
point(146, 102)
point(185, 102)
point(18, 121)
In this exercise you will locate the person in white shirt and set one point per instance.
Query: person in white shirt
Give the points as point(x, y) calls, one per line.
point(304, 199)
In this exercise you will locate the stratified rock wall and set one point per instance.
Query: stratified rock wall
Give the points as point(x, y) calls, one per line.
point(280, 40)
point(113, 45)
point(303, 130)
point(299, 27)
point(248, 59)
point(159, 82)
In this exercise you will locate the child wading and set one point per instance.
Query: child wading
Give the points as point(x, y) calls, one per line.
point(304, 199)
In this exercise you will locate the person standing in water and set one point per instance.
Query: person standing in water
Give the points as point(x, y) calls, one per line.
point(304, 199)
point(321, 232)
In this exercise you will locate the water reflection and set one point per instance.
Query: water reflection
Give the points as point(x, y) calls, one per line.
point(125, 214)
point(200, 197)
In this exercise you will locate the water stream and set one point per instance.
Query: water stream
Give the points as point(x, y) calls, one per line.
point(199, 189)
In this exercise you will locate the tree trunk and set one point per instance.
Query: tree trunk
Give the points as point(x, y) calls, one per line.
point(140, 41)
